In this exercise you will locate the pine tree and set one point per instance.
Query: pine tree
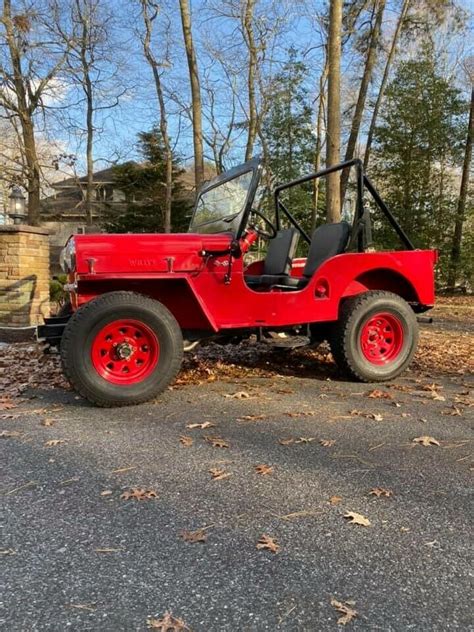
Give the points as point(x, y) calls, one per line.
point(144, 186)
point(287, 129)
point(417, 155)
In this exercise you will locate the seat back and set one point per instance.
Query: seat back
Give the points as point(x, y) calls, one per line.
point(281, 251)
point(327, 241)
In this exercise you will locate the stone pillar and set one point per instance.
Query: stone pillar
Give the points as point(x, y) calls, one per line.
point(24, 275)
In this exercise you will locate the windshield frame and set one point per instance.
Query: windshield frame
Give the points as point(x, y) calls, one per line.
point(254, 166)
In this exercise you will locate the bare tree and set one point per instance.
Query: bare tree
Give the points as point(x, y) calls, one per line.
point(251, 76)
point(150, 10)
point(379, 8)
point(383, 84)
point(333, 134)
point(319, 142)
point(195, 93)
point(26, 72)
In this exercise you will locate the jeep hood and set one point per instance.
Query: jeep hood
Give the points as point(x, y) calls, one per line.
point(105, 254)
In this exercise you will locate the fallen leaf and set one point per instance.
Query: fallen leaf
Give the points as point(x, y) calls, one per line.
point(204, 424)
point(426, 440)
point(267, 542)
point(252, 418)
point(139, 494)
point(217, 442)
point(264, 469)
point(345, 609)
point(167, 624)
point(48, 422)
point(378, 394)
point(194, 536)
point(218, 474)
point(10, 434)
point(357, 518)
point(239, 395)
point(187, 442)
point(375, 416)
point(327, 443)
point(286, 441)
point(54, 442)
point(7, 552)
point(7, 404)
point(437, 397)
point(380, 491)
point(305, 440)
point(335, 500)
point(106, 492)
point(124, 469)
point(309, 413)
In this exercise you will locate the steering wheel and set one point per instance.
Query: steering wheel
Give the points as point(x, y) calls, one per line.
point(271, 231)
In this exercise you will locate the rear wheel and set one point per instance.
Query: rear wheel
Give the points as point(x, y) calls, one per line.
point(376, 336)
point(121, 348)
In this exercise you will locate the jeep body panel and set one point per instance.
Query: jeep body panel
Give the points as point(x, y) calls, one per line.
point(203, 293)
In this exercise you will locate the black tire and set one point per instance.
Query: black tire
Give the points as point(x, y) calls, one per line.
point(346, 338)
point(83, 328)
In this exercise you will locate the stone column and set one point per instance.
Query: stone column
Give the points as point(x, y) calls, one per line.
point(24, 275)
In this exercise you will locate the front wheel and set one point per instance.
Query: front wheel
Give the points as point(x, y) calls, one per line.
point(376, 336)
point(121, 348)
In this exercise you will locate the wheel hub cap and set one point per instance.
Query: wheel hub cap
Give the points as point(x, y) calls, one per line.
point(125, 352)
point(381, 338)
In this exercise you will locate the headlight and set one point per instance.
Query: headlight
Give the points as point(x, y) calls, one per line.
point(67, 258)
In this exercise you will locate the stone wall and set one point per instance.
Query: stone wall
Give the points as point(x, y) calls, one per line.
point(24, 275)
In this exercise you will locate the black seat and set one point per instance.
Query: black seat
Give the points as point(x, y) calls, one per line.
point(327, 241)
point(280, 253)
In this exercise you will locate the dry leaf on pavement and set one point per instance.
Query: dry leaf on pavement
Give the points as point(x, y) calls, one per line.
point(106, 492)
point(217, 442)
point(335, 500)
point(380, 491)
point(218, 474)
point(286, 441)
point(305, 440)
point(378, 394)
point(10, 434)
point(357, 518)
point(204, 424)
point(426, 440)
point(185, 441)
point(267, 542)
point(264, 469)
point(239, 395)
point(194, 536)
point(327, 443)
point(167, 624)
point(137, 493)
point(252, 418)
point(53, 442)
point(345, 609)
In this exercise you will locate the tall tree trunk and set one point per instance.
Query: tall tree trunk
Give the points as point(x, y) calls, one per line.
point(89, 149)
point(148, 21)
point(364, 86)
point(195, 93)
point(252, 68)
point(461, 207)
point(383, 85)
point(33, 169)
point(333, 134)
point(25, 113)
point(318, 148)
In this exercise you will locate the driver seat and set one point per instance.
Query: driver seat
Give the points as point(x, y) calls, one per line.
point(280, 254)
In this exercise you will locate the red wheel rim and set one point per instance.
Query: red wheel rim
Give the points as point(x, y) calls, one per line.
point(381, 338)
point(125, 352)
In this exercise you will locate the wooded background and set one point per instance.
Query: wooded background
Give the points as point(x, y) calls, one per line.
point(158, 87)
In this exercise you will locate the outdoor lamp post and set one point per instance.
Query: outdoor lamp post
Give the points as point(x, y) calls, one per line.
point(17, 205)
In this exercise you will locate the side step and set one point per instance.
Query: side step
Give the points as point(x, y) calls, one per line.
point(52, 330)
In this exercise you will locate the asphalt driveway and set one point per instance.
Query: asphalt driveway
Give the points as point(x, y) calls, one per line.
point(77, 556)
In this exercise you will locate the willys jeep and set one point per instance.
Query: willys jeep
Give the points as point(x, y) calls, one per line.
point(138, 300)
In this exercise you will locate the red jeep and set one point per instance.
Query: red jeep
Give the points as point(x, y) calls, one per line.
point(138, 300)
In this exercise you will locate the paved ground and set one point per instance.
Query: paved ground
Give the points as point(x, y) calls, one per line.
point(408, 570)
